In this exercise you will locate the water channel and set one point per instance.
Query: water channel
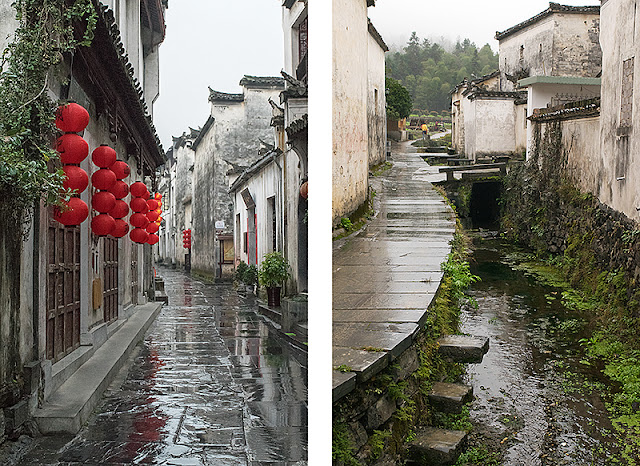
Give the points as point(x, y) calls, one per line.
point(535, 401)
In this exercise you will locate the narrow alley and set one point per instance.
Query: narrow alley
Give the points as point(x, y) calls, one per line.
point(212, 384)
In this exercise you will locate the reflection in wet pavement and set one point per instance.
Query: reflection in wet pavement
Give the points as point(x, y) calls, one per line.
point(211, 385)
point(531, 387)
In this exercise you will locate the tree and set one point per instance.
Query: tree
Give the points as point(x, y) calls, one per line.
point(399, 103)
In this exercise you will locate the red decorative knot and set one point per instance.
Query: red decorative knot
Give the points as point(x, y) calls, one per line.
point(121, 169)
point(76, 178)
point(102, 224)
point(120, 210)
point(121, 228)
point(103, 179)
point(120, 189)
point(72, 118)
point(138, 189)
point(103, 201)
point(138, 235)
point(72, 148)
point(153, 239)
point(72, 213)
point(139, 220)
point(139, 205)
point(103, 156)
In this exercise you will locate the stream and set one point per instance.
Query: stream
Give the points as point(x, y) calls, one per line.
point(535, 401)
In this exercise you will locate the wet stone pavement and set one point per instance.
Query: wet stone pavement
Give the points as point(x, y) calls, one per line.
point(211, 385)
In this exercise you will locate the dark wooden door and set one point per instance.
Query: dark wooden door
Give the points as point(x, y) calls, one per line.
point(110, 292)
point(63, 290)
point(134, 274)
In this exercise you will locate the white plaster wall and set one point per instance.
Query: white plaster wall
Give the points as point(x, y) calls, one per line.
point(8, 23)
point(350, 135)
point(376, 106)
point(494, 127)
point(537, 41)
point(581, 140)
point(620, 160)
point(521, 124)
point(576, 50)
point(469, 112)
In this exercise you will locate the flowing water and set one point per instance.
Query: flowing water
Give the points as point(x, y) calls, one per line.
point(535, 400)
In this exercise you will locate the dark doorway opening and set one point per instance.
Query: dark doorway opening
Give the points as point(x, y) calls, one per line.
point(484, 208)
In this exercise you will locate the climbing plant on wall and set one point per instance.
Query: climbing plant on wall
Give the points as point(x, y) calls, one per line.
point(47, 29)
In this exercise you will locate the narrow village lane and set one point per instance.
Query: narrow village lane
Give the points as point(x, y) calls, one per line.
point(211, 385)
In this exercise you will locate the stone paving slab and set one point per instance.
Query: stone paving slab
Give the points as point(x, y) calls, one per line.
point(450, 397)
point(463, 348)
point(417, 316)
point(364, 363)
point(437, 446)
point(385, 277)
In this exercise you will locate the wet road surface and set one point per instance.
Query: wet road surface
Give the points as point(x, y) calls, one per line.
point(211, 385)
point(535, 400)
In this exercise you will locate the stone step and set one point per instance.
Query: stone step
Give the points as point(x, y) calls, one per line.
point(450, 397)
point(161, 296)
point(159, 283)
point(463, 348)
point(435, 446)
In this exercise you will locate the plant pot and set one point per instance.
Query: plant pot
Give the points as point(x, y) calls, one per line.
point(273, 296)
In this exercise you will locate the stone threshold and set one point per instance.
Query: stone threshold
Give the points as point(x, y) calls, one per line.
point(69, 407)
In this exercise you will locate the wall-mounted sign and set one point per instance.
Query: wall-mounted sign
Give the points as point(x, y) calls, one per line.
point(220, 225)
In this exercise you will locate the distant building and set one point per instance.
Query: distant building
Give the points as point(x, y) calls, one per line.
point(554, 57)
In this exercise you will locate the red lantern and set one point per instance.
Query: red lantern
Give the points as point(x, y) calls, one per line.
point(76, 178)
point(103, 179)
point(75, 212)
point(159, 220)
point(158, 196)
point(102, 224)
point(152, 228)
point(138, 189)
point(153, 204)
point(103, 156)
point(72, 118)
point(139, 220)
point(146, 195)
point(152, 216)
point(138, 235)
point(153, 239)
point(120, 210)
point(72, 148)
point(121, 169)
point(139, 205)
point(121, 228)
point(103, 201)
point(304, 190)
point(120, 189)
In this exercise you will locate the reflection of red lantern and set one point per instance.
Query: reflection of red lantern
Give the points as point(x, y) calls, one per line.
point(152, 228)
point(153, 204)
point(139, 220)
point(102, 224)
point(138, 189)
point(138, 235)
point(103, 156)
point(75, 212)
point(121, 169)
point(152, 216)
point(72, 148)
point(76, 178)
point(120, 210)
point(120, 189)
point(103, 179)
point(153, 239)
point(304, 190)
point(138, 205)
point(121, 228)
point(72, 118)
point(103, 201)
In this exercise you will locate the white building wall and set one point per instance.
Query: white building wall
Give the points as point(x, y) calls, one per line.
point(291, 19)
point(494, 126)
point(350, 134)
point(376, 102)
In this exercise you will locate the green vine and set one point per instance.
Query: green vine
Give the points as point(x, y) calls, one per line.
point(47, 30)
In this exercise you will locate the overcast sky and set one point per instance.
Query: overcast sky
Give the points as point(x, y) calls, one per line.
point(213, 43)
point(473, 19)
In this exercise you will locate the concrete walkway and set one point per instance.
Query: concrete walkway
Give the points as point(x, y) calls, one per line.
point(385, 277)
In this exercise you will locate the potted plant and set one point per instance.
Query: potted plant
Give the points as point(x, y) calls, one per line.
point(250, 277)
point(240, 271)
point(274, 271)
